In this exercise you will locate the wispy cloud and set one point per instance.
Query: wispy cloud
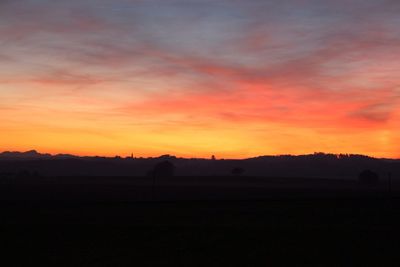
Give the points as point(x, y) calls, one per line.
point(328, 68)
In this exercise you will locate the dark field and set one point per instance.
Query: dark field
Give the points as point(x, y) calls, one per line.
point(189, 221)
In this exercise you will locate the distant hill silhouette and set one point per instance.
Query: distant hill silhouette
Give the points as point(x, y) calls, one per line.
point(31, 155)
point(317, 165)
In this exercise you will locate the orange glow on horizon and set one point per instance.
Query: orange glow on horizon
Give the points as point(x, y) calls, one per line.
point(183, 126)
point(234, 81)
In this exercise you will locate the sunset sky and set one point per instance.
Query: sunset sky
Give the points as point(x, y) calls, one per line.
point(234, 78)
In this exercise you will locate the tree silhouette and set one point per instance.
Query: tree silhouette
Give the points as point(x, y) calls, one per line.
point(237, 171)
point(164, 169)
point(368, 177)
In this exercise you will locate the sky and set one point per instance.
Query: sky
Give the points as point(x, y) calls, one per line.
point(195, 78)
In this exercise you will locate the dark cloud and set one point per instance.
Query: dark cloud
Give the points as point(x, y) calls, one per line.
point(379, 113)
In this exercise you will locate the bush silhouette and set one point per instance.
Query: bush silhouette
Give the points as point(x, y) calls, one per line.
point(237, 171)
point(164, 169)
point(368, 177)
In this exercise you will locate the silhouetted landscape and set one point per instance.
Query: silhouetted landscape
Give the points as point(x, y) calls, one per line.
point(317, 165)
point(197, 212)
point(199, 133)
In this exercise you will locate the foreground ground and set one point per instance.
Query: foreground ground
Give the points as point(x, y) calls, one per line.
point(200, 224)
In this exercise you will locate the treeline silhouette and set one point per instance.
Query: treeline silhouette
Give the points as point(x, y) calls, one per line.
point(318, 165)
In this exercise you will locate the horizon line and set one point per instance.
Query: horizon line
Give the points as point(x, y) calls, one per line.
point(183, 157)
